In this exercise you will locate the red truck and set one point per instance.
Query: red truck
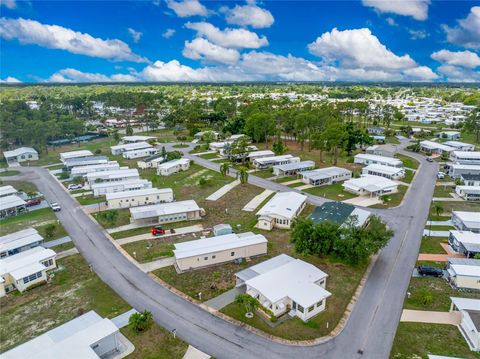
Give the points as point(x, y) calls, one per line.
point(158, 231)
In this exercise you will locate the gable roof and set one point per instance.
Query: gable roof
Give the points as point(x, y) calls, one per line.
point(283, 204)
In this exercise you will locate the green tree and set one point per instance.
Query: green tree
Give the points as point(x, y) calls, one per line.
point(438, 209)
point(224, 169)
point(129, 130)
point(208, 137)
point(278, 148)
point(116, 135)
point(249, 303)
point(239, 149)
point(335, 136)
point(50, 230)
point(472, 124)
point(243, 175)
point(141, 322)
point(163, 153)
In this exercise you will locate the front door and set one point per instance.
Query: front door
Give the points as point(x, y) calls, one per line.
point(294, 306)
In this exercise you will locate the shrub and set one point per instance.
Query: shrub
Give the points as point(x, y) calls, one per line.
point(140, 322)
point(64, 175)
point(98, 151)
point(50, 230)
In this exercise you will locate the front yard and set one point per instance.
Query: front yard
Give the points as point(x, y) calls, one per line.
point(333, 191)
point(432, 245)
point(35, 218)
point(408, 162)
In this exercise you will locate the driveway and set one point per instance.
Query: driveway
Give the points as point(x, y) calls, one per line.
point(225, 299)
point(424, 316)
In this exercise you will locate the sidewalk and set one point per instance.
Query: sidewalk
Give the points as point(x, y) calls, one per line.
point(178, 231)
point(440, 223)
point(122, 320)
point(223, 191)
point(67, 253)
point(428, 233)
point(292, 182)
point(224, 299)
point(424, 316)
point(256, 201)
point(194, 353)
point(126, 227)
point(157, 264)
point(56, 242)
point(301, 188)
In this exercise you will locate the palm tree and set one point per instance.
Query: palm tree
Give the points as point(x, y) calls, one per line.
point(243, 175)
point(225, 169)
point(438, 209)
point(141, 321)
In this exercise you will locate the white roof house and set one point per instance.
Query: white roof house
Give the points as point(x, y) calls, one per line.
point(78, 337)
point(10, 202)
point(138, 192)
point(139, 197)
point(466, 157)
point(370, 185)
point(326, 175)
point(259, 154)
point(466, 221)
point(85, 161)
point(457, 170)
point(119, 149)
point(367, 159)
point(461, 146)
point(265, 162)
point(7, 190)
point(136, 138)
point(465, 242)
point(469, 193)
point(469, 309)
point(139, 153)
point(170, 167)
point(387, 150)
point(281, 210)
point(384, 171)
point(112, 176)
point(293, 168)
point(100, 189)
point(74, 154)
point(284, 282)
point(13, 243)
point(83, 170)
point(166, 212)
point(21, 154)
point(435, 147)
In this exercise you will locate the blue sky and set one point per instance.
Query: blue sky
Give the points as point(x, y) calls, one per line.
point(195, 40)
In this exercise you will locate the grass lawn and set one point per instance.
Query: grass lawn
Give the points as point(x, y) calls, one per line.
point(432, 245)
point(297, 184)
point(21, 186)
point(149, 250)
point(392, 139)
point(408, 161)
point(73, 290)
point(63, 247)
point(439, 291)
point(333, 191)
point(448, 207)
point(155, 343)
point(147, 229)
point(283, 179)
point(58, 232)
point(27, 219)
point(9, 173)
point(393, 200)
point(209, 156)
point(105, 221)
point(416, 340)
point(263, 173)
point(439, 228)
point(180, 145)
point(408, 176)
point(89, 199)
point(442, 190)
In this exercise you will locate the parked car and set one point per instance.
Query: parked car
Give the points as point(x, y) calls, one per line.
point(158, 231)
point(441, 175)
point(429, 159)
point(74, 186)
point(33, 202)
point(56, 207)
point(429, 271)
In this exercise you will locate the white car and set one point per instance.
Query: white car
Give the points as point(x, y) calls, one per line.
point(441, 175)
point(56, 207)
point(73, 186)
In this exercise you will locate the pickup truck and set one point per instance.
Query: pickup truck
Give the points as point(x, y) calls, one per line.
point(56, 207)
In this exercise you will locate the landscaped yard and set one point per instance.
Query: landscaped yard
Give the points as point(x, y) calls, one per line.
point(416, 340)
point(408, 162)
point(432, 245)
point(449, 206)
point(408, 176)
point(393, 200)
point(108, 219)
point(333, 191)
point(28, 219)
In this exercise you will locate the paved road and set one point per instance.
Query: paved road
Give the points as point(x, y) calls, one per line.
point(371, 326)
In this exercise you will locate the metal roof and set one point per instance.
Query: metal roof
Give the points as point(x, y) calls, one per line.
point(163, 209)
point(138, 192)
point(19, 239)
point(283, 204)
point(19, 151)
point(11, 201)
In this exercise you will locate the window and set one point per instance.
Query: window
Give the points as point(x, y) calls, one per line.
point(322, 282)
point(205, 258)
point(48, 263)
point(32, 277)
point(319, 304)
point(232, 254)
point(213, 257)
point(95, 346)
point(300, 308)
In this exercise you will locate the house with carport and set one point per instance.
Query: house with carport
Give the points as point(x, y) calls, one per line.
point(464, 273)
point(21, 154)
point(166, 212)
point(465, 242)
point(466, 221)
point(469, 326)
point(281, 210)
point(373, 186)
point(367, 159)
point(392, 173)
point(14, 243)
point(326, 176)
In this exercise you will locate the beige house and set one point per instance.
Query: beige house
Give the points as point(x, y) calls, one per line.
point(166, 212)
point(464, 273)
point(140, 197)
point(281, 210)
point(171, 167)
point(216, 250)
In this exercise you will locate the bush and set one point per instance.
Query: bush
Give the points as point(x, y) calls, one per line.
point(50, 230)
point(98, 151)
point(140, 322)
point(109, 216)
point(64, 175)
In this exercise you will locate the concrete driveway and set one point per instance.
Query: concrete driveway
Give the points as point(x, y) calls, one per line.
point(424, 316)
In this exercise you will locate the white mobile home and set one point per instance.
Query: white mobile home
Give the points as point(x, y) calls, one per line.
point(140, 197)
point(27, 268)
point(7, 191)
point(136, 138)
point(142, 152)
point(174, 166)
point(101, 189)
point(281, 210)
point(456, 170)
point(20, 241)
point(64, 156)
point(119, 149)
point(368, 185)
point(386, 150)
point(166, 212)
point(460, 146)
point(435, 147)
point(466, 157)
point(21, 154)
point(464, 273)
point(205, 252)
point(326, 176)
point(393, 173)
point(470, 180)
point(84, 170)
point(470, 322)
point(259, 154)
point(449, 135)
point(87, 336)
point(150, 162)
point(85, 161)
point(468, 193)
point(292, 169)
point(466, 221)
point(366, 159)
point(12, 205)
point(217, 146)
point(286, 285)
point(465, 242)
point(267, 162)
point(112, 176)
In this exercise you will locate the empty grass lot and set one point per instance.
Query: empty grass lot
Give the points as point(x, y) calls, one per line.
point(408, 162)
point(89, 199)
point(393, 200)
point(21, 186)
point(443, 191)
point(209, 156)
point(58, 232)
point(263, 173)
point(333, 191)
point(28, 219)
point(417, 340)
point(448, 207)
point(105, 221)
point(432, 245)
point(408, 176)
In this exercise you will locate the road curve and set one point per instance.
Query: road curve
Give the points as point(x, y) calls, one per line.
point(370, 328)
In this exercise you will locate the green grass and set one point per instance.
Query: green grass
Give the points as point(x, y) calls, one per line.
point(333, 191)
point(392, 139)
point(443, 191)
point(448, 207)
point(408, 176)
point(122, 218)
point(149, 250)
point(63, 247)
point(89, 199)
point(439, 228)
point(9, 173)
point(417, 340)
point(408, 161)
point(180, 145)
point(393, 200)
point(21, 186)
point(297, 184)
point(283, 179)
point(59, 231)
point(73, 290)
point(432, 245)
point(263, 173)
point(147, 229)
point(209, 156)
point(28, 219)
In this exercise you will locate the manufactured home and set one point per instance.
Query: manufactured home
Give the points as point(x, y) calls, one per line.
point(372, 186)
point(393, 173)
point(139, 197)
point(102, 188)
point(458, 170)
point(142, 152)
point(470, 320)
point(460, 146)
point(166, 212)
point(435, 147)
point(281, 210)
point(326, 176)
point(174, 166)
point(259, 154)
point(468, 193)
point(150, 162)
point(464, 273)
point(466, 157)
point(470, 180)
point(293, 169)
point(12, 205)
point(112, 176)
point(84, 170)
point(68, 156)
point(466, 221)
point(20, 241)
point(465, 242)
point(367, 159)
point(7, 191)
point(340, 213)
point(21, 154)
point(85, 161)
point(386, 150)
point(268, 162)
point(136, 139)
point(119, 149)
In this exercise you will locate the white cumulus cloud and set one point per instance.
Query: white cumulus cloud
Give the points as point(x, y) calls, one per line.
point(202, 49)
point(467, 32)
point(9, 4)
point(168, 33)
point(418, 9)
point(187, 8)
point(58, 37)
point(459, 73)
point(70, 75)
point(248, 15)
point(231, 38)
point(136, 35)
point(10, 80)
point(460, 58)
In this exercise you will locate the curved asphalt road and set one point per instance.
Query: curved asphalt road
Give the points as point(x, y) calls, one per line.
point(370, 328)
